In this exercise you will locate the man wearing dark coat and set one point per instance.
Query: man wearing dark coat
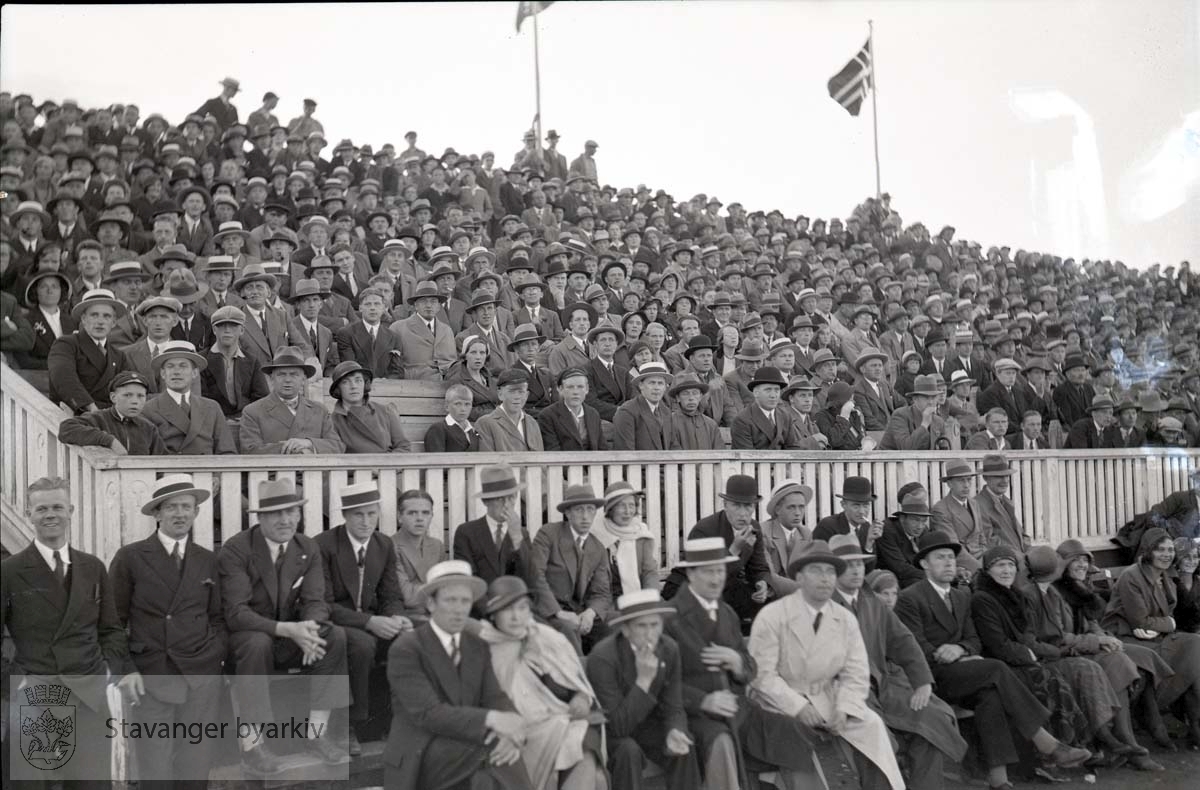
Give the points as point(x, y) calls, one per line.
point(363, 593)
point(610, 384)
point(1073, 396)
point(166, 593)
point(496, 544)
point(570, 424)
point(897, 546)
point(221, 107)
point(858, 499)
point(233, 390)
point(452, 725)
point(82, 365)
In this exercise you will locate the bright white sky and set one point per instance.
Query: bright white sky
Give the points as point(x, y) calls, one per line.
point(1059, 125)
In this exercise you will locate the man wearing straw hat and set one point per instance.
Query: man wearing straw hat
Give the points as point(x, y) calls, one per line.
point(273, 591)
point(716, 671)
point(82, 365)
point(363, 592)
point(643, 422)
point(638, 680)
point(188, 423)
point(812, 665)
point(785, 534)
point(452, 724)
point(167, 596)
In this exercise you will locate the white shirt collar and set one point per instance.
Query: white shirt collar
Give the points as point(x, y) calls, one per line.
point(465, 424)
point(169, 543)
point(272, 547)
point(941, 589)
point(770, 415)
point(48, 553)
point(492, 523)
point(177, 397)
point(812, 612)
point(710, 606)
point(355, 544)
point(446, 639)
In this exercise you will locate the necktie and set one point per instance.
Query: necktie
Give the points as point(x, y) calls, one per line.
point(949, 602)
point(60, 570)
point(431, 330)
point(712, 613)
point(499, 537)
point(817, 622)
point(579, 427)
point(177, 556)
point(279, 558)
point(362, 559)
point(535, 315)
point(183, 402)
point(998, 443)
point(790, 541)
point(455, 656)
point(153, 351)
point(579, 548)
point(312, 337)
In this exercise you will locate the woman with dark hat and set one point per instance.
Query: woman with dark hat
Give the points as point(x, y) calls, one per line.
point(541, 673)
point(470, 370)
point(840, 421)
point(1141, 612)
point(45, 294)
point(1187, 584)
point(364, 427)
point(1076, 692)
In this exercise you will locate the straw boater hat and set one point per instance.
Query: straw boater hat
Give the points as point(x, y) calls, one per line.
point(360, 495)
point(816, 551)
point(177, 349)
point(277, 495)
point(618, 491)
point(98, 296)
point(705, 551)
point(170, 486)
point(497, 481)
point(786, 489)
point(640, 603)
point(453, 572)
point(653, 369)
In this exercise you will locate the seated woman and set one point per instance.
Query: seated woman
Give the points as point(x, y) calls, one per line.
point(1140, 612)
point(364, 427)
point(632, 548)
point(470, 370)
point(885, 585)
point(1187, 585)
point(840, 421)
point(1080, 699)
point(46, 293)
point(540, 672)
point(1053, 624)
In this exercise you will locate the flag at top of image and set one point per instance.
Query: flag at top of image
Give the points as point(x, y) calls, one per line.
point(528, 8)
point(849, 86)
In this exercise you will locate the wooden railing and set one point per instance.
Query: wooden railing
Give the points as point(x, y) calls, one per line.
point(1058, 494)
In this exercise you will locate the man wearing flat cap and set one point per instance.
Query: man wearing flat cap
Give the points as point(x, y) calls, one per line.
point(452, 724)
point(82, 365)
point(158, 317)
point(121, 427)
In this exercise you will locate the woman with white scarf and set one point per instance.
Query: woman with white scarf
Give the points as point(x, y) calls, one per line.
point(544, 677)
point(632, 547)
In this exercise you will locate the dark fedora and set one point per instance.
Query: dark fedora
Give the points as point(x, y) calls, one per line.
point(503, 592)
point(741, 488)
point(767, 374)
point(935, 539)
point(1074, 361)
point(857, 489)
point(816, 551)
point(289, 357)
point(996, 466)
point(696, 344)
point(579, 494)
point(425, 289)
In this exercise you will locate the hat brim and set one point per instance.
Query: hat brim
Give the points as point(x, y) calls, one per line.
point(413, 299)
point(670, 377)
point(269, 279)
point(115, 304)
point(664, 610)
point(540, 338)
point(687, 384)
point(333, 385)
point(201, 495)
point(951, 545)
point(567, 504)
point(31, 286)
point(505, 601)
point(478, 586)
point(1009, 472)
point(196, 359)
point(865, 358)
point(515, 488)
point(296, 501)
point(798, 564)
point(309, 369)
point(700, 564)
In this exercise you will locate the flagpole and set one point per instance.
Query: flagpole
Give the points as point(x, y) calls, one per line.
point(537, 82)
point(874, 106)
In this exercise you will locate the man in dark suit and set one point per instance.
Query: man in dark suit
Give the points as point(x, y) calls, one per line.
point(962, 359)
point(336, 310)
point(570, 424)
point(58, 607)
point(524, 348)
point(610, 385)
point(1095, 431)
point(939, 616)
point(1073, 396)
point(454, 434)
point(747, 585)
point(307, 298)
point(221, 107)
point(231, 378)
point(370, 343)
point(897, 546)
point(571, 585)
point(273, 591)
point(166, 593)
point(193, 325)
point(1030, 436)
point(452, 724)
point(1003, 393)
point(762, 425)
point(643, 422)
point(188, 423)
point(496, 544)
point(858, 499)
point(363, 593)
point(83, 364)
point(1126, 432)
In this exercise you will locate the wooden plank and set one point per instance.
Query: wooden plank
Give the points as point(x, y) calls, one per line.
point(671, 504)
point(231, 504)
point(534, 500)
point(202, 528)
point(435, 486)
point(316, 509)
point(337, 480)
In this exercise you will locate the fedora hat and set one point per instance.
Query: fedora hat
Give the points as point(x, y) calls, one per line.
point(654, 369)
point(741, 488)
point(343, 370)
point(913, 507)
point(956, 469)
point(857, 489)
point(925, 385)
point(751, 351)
point(503, 592)
point(698, 552)
point(182, 287)
point(847, 547)
point(579, 494)
point(277, 495)
point(1101, 402)
point(31, 286)
point(685, 382)
point(290, 357)
point(424, 290)
point(177, 349)
point(933, 540)
point(767, 375)
point(867, 355)
point(481, 299)
point(1044, 563)
point(305, 288)
point(618, 491)
point(816, 551)
point(360, 495)
point(169, 486)
point(497, 481)
point(609, 329)
point(822, 356)
point(254, 273)
point(1151, 402)
point(640, 603)
point(98, 296)
point(524, 333)
point(696, 344)
point(453, 572)
point(784, 490)
point(1075, 360)
point(996, 466)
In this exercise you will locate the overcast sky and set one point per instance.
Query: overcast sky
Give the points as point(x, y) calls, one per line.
point(1059, 125)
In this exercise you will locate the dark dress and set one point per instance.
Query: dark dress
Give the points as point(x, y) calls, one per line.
point(842, 434)
point(1187, 607)
point(484, 399)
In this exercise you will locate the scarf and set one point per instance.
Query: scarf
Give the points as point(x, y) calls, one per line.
point(626, 539)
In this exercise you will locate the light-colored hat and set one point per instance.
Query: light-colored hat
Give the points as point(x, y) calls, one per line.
point(497, 481)
point(640, 603)
point(277, 495)
point(98, 296)
point(705, 551)
point(177, 349)
point(786, 489)
point(360, 495)
point(618, 491)
point(653, 369)
point(170, 486)
point(847, 547)
point(453, 572)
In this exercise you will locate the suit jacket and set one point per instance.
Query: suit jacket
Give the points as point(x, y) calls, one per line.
point(607, 390)
point(413, 562)
point(80, 372)
point(876, 409)
point(542, 392)
point(999, 521)
point(564, 580)
point(922, 609)
point(443, 438)
point(341, 287)
point(337, 312)
point(613, 674)
point(474, 543)
point(175, 619)
point(326, 350)
point(895, 552)
point(255, 597)
point(208, 302)
point(548, 322)
point(202, 430)
point(635, 427)
point(693, 630)
point(63, 631)
point(751, 430)
point(748, 571)
point(838, 524)
point(978, 370)
point(497, 433)
point(199, 242)
point(249, 382)
point(1084, 436)
point(568, 354)
point(778, 556)
point(1137, 438)
point(559, 429)
point(383, 356)
point(43, 337)
point(1072, 401)
point(997, 395)
point(380, 586)
point(261, 342)
point(427, 356)
point(982, 440)
point(268, 423)
point(1017, 441)
point(905, 431)
point(947, 515)
point(137, 357)
point(433, 699)
point(199, 331)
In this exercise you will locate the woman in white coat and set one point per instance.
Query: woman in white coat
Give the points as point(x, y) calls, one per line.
point(812, 664)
